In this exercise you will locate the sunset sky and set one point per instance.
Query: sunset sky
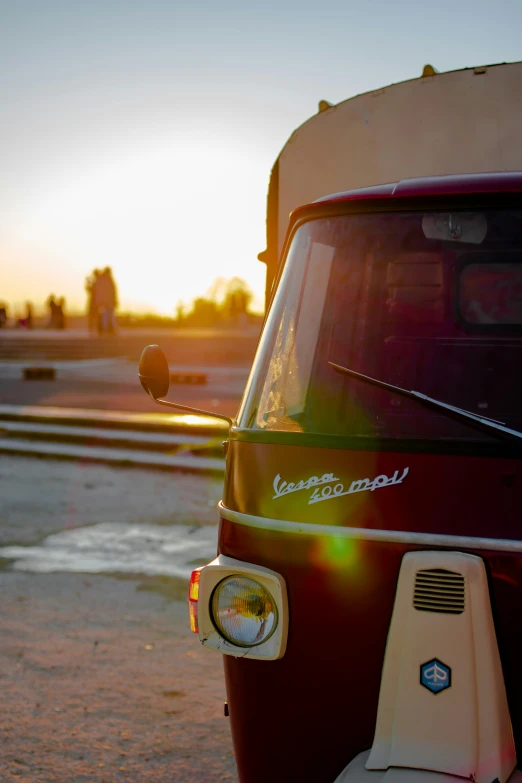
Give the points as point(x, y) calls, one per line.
point(141, 134)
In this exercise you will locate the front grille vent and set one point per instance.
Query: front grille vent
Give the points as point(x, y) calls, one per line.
point(438, 590)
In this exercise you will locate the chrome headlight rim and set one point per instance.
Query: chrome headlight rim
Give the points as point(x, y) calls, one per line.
point(220, 631)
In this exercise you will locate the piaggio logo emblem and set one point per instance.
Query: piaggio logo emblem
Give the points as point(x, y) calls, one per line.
point(435, 676)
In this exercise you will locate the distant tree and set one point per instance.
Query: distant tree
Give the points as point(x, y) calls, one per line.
point(225, 302)
point(218, 290)
point(237, 301)
point(180, 313)
point(204, 313)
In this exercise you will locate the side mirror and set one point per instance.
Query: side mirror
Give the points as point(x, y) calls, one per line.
point(154, 373)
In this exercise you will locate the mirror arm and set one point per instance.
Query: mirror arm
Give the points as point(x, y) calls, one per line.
point(197, 411)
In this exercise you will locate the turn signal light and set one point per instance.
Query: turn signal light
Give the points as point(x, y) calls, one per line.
point(193, 596)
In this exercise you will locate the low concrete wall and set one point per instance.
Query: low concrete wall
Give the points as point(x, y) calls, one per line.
point(182, 347)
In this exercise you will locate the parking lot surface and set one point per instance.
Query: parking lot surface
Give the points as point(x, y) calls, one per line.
point(101, 679)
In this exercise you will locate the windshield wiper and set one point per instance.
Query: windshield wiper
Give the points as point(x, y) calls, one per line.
point(480, 422)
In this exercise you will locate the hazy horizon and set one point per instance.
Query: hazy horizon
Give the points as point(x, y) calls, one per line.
point(141, 135)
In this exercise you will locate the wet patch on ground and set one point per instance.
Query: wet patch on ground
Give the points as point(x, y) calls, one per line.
point(118, 548)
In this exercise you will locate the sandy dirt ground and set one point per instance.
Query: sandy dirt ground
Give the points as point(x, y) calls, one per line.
point(100, 678)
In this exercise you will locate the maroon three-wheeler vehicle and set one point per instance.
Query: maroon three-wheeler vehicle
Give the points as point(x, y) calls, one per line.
point(367, 592)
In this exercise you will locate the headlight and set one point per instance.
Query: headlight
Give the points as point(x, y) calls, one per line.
point(243, 611)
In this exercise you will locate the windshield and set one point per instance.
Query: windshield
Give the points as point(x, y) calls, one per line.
point(429, 302)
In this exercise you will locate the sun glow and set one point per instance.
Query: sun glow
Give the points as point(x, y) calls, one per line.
point(168, 219)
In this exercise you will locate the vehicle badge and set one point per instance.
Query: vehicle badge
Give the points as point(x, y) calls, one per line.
point(435, 676)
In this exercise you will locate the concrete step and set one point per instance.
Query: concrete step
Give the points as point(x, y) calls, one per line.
point(116, 420)
point(118, 456)
point(191, 346)
point(218, 382)
point(112, 438)
point(151, 440)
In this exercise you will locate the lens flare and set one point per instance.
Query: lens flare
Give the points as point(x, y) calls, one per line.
point(337, 552)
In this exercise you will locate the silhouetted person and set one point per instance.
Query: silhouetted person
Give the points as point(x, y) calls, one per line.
point(53, 309)
point(29, 323)
point(3, 315)
point(57, 319)
point(26, 322)
point(91, 285)
point(106, 300)
point(60, 314)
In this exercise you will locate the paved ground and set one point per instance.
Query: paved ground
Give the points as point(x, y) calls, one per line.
point(100, 678)
point(40, 497)
point(112, 384)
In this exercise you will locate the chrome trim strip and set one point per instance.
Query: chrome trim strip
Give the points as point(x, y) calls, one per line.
point(387, 536)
